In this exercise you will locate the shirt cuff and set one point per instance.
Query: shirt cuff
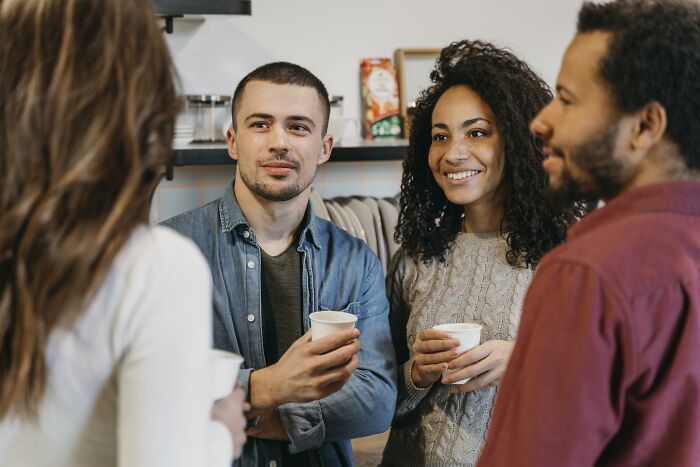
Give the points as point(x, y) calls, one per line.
point(244, 379)
point(409, 393)
point(304, 425)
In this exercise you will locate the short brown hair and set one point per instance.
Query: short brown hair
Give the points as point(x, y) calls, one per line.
point(283, 73)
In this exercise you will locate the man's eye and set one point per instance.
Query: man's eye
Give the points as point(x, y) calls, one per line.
point(260, 125)
point(563, 100)
point(299, 128)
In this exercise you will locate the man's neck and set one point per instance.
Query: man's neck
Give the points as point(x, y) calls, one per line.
point(275, 223)
point(664, 163)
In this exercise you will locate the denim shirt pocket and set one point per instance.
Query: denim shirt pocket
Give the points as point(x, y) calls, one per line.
point(352, 308)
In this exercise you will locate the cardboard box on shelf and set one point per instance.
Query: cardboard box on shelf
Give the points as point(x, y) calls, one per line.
point(380, 99)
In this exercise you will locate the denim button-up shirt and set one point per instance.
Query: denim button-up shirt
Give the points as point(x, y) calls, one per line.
point(339, 272)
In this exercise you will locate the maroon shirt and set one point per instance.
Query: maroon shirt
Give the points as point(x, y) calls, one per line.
point(606, 368)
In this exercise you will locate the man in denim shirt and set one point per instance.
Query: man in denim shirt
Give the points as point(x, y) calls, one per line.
point(273, 262)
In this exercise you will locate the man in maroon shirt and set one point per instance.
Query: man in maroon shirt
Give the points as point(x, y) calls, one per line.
point(606, 368)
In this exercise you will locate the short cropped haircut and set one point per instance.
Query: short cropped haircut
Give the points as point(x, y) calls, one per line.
point(654, 55)
point(283, 73)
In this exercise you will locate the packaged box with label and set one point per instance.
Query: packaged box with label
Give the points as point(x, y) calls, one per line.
point(380, 98)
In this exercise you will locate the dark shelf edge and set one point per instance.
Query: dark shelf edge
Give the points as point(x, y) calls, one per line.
point(219, 156)
point(208, 7)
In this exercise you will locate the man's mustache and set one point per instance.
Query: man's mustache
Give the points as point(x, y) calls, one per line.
point(281, 157)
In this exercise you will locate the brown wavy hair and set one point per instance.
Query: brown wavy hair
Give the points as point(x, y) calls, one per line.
point(88, 108)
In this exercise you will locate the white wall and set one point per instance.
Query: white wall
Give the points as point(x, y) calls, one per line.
point(330, 37)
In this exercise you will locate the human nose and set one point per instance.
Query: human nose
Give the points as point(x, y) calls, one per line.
point(278, 139)
point(540, 126)
point(457, 151)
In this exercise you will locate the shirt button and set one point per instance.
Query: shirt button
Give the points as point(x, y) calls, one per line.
point(251, 265)
point(251, 318)
point(273, 463)
point(246, 234)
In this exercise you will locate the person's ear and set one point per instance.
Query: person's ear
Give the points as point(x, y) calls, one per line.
point(230, 144)
point(326, 148)
point(650, 126)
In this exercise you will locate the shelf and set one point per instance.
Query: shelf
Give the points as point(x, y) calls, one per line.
point(352, 151)
point(201, 7)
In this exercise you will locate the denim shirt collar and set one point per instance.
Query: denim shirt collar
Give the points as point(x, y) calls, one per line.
point(232, 217)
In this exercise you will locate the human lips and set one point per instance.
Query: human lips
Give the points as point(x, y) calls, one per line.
point(551, 151)
point(553, 158)
point(464, 174)
point(279, 167)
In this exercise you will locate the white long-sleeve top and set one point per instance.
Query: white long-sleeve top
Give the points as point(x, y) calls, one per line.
point(128, 382)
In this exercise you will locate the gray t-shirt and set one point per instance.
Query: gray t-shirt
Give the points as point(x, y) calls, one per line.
point(281, 302)
point(281, 313)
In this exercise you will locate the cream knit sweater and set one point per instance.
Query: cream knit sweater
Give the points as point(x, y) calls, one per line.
point(476, 284)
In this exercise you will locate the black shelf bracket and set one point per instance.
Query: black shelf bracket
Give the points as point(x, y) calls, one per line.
point(168, 24)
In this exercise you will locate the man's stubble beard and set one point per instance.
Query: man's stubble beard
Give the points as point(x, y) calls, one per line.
point(596, 159)
point(267, 192)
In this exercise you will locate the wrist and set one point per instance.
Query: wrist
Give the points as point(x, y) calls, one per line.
point(418, 378)
point(263, 393)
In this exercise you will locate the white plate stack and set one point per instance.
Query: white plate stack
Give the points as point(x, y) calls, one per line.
point(184, 133)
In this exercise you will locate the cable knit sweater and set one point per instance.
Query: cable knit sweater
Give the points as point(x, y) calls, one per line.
point(476, 284)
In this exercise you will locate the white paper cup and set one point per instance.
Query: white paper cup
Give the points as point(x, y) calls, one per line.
point(324, 323)
point(469, 335)
point(224, 368)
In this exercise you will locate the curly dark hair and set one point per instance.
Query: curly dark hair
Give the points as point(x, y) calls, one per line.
point(653, 56)
point(428, 221)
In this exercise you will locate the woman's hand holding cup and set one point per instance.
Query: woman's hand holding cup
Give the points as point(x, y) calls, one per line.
point(231, 412)
point(481, 366)
point(432, 351)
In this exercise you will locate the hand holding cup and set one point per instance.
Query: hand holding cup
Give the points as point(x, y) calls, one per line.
point(480, 367)
point(230, 411)
point(468, 335)
point(308, 371)
point(432, 351)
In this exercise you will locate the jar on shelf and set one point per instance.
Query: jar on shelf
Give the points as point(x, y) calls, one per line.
point(337, 123)
point(209, 114)
point(336, 103)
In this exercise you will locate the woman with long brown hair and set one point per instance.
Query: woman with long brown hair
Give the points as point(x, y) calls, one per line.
point(105, 322)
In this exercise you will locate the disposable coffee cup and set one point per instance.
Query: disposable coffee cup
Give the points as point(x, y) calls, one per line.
point(224, 368)
point(469, 336)
point(324, 323)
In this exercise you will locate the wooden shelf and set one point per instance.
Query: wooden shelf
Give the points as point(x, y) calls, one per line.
point(351, 151)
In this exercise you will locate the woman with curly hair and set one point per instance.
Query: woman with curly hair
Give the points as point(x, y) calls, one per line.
point(473, 225)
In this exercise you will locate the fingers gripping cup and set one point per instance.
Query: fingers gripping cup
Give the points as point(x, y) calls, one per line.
point(324, 323)
point(223, 367)
point(469, 336)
